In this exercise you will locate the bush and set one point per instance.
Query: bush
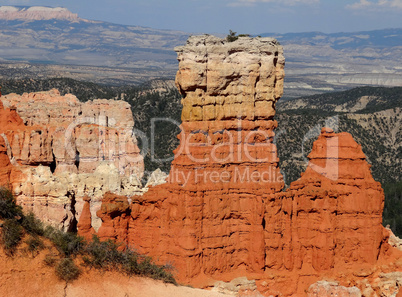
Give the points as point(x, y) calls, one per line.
point(67, 270)
point(97, 254)
point(66, 243)
point(50, 260)
point(130, 264)
point(232, 36)
point(8, 207)
point(103, 254)
point(161, 272)
point(32, 225)
point(35, 244)
point(11, 235)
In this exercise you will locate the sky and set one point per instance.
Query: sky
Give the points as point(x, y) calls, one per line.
point(241, 16)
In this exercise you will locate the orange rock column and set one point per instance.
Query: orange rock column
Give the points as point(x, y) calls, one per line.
point(208, 219)
point(9, 123)
point(330, 219)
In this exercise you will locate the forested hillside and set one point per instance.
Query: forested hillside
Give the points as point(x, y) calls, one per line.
point(361, 100)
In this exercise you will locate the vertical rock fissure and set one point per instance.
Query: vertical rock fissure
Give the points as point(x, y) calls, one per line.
point(77, 160)
point(53, 164)
point(73, 222)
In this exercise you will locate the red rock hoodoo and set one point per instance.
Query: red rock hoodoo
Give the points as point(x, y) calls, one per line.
point(335, 207)
point(329, 221)
point(208, 219)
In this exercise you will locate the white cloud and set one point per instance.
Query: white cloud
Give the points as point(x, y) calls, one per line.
point(285, 2)
point(361, 4)
point(396, 3)
point(365, 4)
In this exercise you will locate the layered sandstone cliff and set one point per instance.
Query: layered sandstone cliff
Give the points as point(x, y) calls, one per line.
point(322, 236)
point(73, 136)
point(67, 150)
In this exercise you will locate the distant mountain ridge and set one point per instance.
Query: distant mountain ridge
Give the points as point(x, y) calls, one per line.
point(50, 42)
point(37, 13)
point(343, 40)
point(48, 35)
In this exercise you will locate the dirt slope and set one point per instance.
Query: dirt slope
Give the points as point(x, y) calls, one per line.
point(24, 276)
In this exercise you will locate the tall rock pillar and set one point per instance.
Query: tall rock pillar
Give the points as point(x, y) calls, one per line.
point(208, 220)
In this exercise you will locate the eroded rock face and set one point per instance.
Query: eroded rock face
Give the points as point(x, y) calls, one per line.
point(115, 215)
point(73, 136)
point(67, 150)
point(9, 121)
point(58, 198)
point(222, 80)
point(327, 225)
point(330, 219)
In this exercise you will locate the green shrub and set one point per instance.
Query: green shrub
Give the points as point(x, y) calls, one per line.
point(97, 254)
point(130, 264)
point(66, 243)
point(105, 255)
point(50, 260)
point(67, 270)
point(232, 36)
point(34, 244)
point(33, 225)
point(11, 235)
point(161, 272)
point(8, 207)
point(135, 264)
